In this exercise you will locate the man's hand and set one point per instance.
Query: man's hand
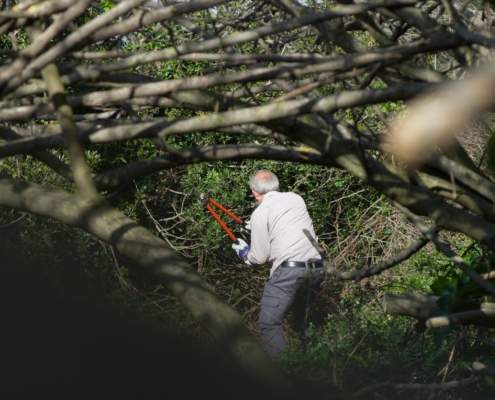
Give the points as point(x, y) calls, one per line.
point(241, 248)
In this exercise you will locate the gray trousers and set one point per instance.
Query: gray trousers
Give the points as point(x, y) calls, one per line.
point(286, 287)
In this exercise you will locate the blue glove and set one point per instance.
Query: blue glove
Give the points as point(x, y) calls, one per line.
point(241, 248)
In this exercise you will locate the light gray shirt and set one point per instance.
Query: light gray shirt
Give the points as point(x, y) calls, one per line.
point(277, 231)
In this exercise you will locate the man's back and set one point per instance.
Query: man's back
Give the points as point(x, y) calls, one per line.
point(277, 227)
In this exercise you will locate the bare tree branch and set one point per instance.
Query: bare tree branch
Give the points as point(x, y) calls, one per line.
point(80, 169)
point(484, 315)
point(122, 175)
point(144, 18)
point(358, 274)
point(12, 79)
point(153, 255)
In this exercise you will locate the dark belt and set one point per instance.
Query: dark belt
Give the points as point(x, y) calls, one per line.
point(302, 264)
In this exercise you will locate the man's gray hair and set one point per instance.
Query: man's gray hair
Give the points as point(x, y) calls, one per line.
point(264, 181)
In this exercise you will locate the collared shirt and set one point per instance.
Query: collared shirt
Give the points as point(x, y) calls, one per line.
point(277, 230)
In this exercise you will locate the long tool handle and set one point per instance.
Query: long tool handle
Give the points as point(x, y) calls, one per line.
point(231, 214)
point(222, 224)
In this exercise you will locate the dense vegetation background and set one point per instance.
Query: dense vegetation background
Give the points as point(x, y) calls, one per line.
point(117, 115)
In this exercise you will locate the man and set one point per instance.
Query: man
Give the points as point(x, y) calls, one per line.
point(277, 236)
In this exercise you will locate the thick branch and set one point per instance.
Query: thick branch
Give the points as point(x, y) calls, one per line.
point(465, 176)
point(214, 121)
point(432, 387)
point(324, 64)
point(80, 169)
point(414, 305)
point(144, 18)
point(45, 157)
point(42, 39)
point(155, 257)
point(237, 37)
point(13, 80)
point(484, 316)
point(122, 175)
point(37, 10)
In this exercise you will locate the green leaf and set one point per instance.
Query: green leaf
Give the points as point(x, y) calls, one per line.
point(444, 284)
point(107, 4)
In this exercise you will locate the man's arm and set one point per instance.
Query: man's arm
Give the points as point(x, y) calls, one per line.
point(260, 240)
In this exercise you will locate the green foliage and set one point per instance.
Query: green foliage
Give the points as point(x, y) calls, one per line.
point(107, 4)
point(417, 274)
point(456, 289)
point(5, 42)
point(117, 154)
point(363, 346)
point(358, 345)
point(225, 183)
point(392, 106)
point(64, 259)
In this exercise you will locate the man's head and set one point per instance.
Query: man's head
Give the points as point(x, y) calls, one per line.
point(262, 182)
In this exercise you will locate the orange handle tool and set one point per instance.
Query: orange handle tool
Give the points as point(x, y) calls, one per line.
point(220, 221)
point(231, 214)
